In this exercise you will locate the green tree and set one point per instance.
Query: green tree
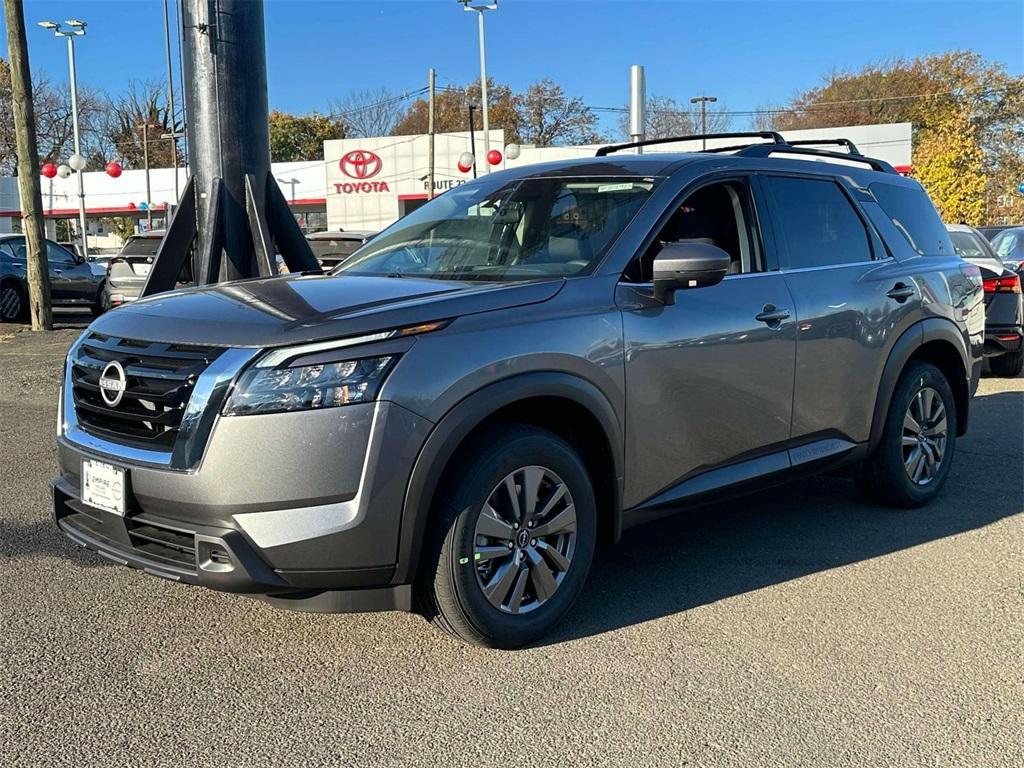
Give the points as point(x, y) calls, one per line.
point(301, 137)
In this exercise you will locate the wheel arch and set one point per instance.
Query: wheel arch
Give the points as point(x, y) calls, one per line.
point(936, 341)
point(563, 403)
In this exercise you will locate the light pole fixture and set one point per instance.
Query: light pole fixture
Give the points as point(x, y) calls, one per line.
point(479, 7)
point(291, 182)
point(704, 101)
point(76, 28)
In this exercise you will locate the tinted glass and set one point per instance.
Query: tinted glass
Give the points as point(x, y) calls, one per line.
point(6, 249)
point(501, 230)
point(57, 255)
point(334, 249)
point(141, 246)
point(1005, 243)
point(912, 212)
point(970, 246)
point(818, 225)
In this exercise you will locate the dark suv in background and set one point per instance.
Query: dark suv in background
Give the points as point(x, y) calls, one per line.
point(72, 281)
point(518, 371)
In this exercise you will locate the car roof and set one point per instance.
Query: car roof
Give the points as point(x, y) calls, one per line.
point(960, 228)
point(151, 233)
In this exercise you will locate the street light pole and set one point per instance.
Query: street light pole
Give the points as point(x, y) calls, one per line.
point(704, 101)
point(480, 8)
point(77, 30)
point(170, 103)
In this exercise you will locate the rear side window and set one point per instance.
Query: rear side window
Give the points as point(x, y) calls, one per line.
point(912, 212)
point(57, 255)
point(1005, 243)
point(817, 223)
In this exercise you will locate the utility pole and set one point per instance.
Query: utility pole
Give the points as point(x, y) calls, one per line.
point(28, 168)
point(430, 134)
point(145, 160)
point(704, 101)
point(472, 140)
point(172, 136)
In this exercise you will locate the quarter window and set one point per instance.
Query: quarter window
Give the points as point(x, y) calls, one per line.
point(819, 227)
point(912, 212)
point(57, 255)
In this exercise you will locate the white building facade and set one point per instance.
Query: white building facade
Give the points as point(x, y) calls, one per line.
point(368, 183)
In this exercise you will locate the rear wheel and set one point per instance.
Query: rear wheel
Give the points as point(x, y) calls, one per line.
point(512, 540)
point(1008, 364)
point(13, 306)
point(102, 302)
point(912, 460)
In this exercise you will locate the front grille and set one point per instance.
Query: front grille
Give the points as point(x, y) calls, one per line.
point(159, 381)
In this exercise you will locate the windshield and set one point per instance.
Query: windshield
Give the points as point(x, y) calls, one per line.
point(141, 246)
point(334, 249)
point(506, 230)
point(970, 246)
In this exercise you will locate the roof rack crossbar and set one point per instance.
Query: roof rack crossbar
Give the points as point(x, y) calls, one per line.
point(775, 137)
point(766, 150)
point(850, 146)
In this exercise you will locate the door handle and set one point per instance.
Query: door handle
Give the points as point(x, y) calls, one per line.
point(59, 271)
point(901, 292)
point(772, 315)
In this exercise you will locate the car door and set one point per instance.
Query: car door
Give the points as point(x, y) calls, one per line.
point(852, 301)
point(709, 379)
point(61, 263)
point(76, 276)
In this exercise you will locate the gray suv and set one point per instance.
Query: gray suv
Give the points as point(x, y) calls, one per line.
point(72, 281)
point(518, 371)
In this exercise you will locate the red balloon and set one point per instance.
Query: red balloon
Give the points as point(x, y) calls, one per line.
point(494, 157)
point(49, 170)
point(464, 168)
point(131, 206)
point(113, 169)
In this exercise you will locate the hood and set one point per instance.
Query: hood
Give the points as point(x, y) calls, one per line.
point(294, 309)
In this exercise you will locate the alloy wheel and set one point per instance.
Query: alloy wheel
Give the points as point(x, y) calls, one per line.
point(925, 430)
point(524, 540)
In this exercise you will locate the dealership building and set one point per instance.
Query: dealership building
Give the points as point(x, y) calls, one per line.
point(365, 183)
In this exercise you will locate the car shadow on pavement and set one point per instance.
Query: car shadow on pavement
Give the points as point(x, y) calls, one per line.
point(811, 525)
point(41, 538)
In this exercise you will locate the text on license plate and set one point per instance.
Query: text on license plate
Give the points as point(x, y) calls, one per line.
point(103, 486)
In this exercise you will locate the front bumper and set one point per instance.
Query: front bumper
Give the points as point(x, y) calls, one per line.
point(303, 508)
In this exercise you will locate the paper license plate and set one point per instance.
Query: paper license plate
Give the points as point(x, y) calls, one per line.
point(103, 486)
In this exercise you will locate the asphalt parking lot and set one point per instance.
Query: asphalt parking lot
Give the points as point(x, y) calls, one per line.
point(803, 627)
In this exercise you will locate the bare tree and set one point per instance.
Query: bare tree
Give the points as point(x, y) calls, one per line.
point(665, 118)
point(369, 112)
point(143, 103)
point(548, 117)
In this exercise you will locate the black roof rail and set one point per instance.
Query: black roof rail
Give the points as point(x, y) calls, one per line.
point(775, 136)
point(850, 146)
point(767, 150)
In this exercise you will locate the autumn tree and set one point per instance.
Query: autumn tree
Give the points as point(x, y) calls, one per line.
point(451, 111)
point(142, 104)
point(301, 137)
point(548, 117)
point(956, 96)
point(949, 162)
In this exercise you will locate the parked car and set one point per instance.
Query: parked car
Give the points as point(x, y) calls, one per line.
point(518, 370)
point(1004, 308)
point(332, 247)
point(72, 281)
point(128, 270)
point(1009, 247)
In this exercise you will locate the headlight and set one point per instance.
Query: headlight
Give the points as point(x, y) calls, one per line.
point(272, 390)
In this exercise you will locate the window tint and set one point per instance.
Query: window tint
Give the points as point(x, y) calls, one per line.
point(57, 255)
point(1004, 244)
point(970, 246)
point(17, 247)
point(6, 250)
point(912, 212)
point(819, 227)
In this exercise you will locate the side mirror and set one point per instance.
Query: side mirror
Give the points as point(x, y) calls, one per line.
point(687, 265)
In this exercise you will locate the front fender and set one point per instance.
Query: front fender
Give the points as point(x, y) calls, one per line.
point(449, 433)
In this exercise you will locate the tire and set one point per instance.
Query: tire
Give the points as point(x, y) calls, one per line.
point(1008, 365)
point(465, 550)
point(13, 307)
point(892, 474)
point(102, 304)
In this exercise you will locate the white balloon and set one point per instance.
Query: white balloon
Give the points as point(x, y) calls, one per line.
point(512, 151)
point(466, 159)
point(77, 162)
point(63, 171)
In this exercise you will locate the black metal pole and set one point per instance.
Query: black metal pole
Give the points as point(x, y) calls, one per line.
point(472, 139)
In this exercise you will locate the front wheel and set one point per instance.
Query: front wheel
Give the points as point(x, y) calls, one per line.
point(13, 306)
point(912, 459)
point(102, 302)
point(513, 537)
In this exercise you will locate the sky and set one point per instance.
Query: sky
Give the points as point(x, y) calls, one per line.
point(745, 53)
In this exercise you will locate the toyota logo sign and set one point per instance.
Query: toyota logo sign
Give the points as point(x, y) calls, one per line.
point(360, 164)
